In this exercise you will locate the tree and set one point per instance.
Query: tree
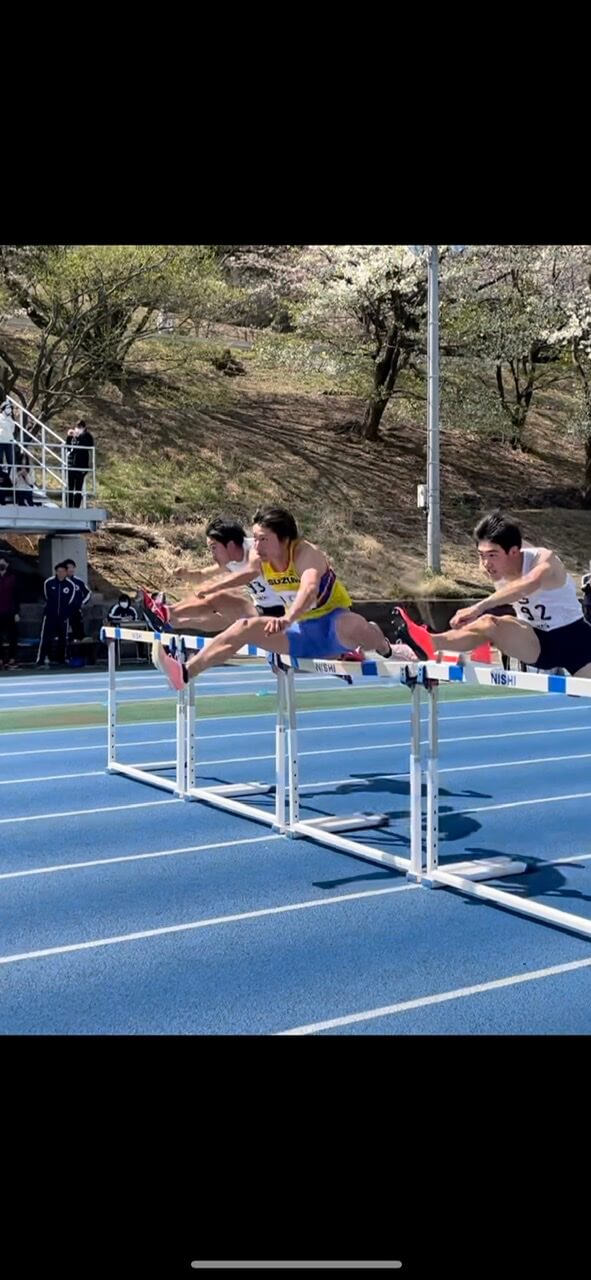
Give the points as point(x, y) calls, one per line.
point(500, 306)
point(368, 300)
point(264, 281)
point(90, 305)
point(573, 335)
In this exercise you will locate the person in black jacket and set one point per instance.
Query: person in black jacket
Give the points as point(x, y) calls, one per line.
point(84, 594)
point(61, 600)
point(9, 612)
point(123, 611)
point(79, 460)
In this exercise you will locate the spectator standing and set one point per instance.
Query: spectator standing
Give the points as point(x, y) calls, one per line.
point(80, 441)
point(60, 600)
point(9, 613)
point(7, 430)
point(6, 487)
point(23, 486)
point(82, 598)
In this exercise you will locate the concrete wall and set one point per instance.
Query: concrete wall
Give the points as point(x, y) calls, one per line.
point(61, 546)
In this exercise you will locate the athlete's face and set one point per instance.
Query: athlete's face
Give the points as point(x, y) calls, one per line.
point(498, 563)
point(266, 543)
point(219, 552)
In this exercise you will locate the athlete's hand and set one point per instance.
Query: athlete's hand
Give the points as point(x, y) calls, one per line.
point(464, 617)
point(274, 625)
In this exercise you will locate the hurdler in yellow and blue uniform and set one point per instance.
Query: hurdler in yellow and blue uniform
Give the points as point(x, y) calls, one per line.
point(314, 634)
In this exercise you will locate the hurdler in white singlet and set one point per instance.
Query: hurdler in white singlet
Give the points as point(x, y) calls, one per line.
point(546, 609)
point(262, 594)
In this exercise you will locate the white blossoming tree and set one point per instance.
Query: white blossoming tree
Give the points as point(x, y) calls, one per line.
point(501, 304)
point(367, 301)
point(572, 334)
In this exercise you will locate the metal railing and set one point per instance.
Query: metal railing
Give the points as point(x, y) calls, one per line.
point(44, 455)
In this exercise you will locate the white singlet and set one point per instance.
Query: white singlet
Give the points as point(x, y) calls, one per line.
point(546, 609)
point(260, 591)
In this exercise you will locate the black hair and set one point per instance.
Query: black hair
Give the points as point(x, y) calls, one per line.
point(67, 562)
point(279, 520)
point(225, 531)
point(495, 528)
point(61, 565)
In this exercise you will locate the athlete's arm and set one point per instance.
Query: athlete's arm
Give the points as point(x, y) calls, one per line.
point(253, 569)
point(310, 564)
point(549, 573)
point(194, 576)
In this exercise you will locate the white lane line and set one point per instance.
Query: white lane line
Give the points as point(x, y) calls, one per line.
point(76, 813)
point(519, 804)
point(135, 857)
point(236, 686)
point(312, 711)
point(422, 1002)
point(95, 746)
point(205, 924)
point(269, 732)
point(456, 768)
point(386, 746)
point(52, 777)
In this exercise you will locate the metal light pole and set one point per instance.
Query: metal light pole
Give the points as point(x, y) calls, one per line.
point(433, 506)
point(428, 495)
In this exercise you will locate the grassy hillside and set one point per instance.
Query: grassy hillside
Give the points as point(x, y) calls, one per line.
point(184, 442)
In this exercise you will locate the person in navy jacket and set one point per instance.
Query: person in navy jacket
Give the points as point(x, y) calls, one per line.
point(62, 599)
point(84, 594)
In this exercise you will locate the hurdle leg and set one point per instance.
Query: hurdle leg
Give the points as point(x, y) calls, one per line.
point(181, 743)
point(111, 706)
point(433, 783)
point(416, 801)
point(292, 752)
point(190, 749)
point(280, 735)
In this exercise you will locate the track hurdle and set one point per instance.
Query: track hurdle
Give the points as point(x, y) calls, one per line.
point(470, 877)
point(423, 865)
point(327, 830)
point(147, 771)
point(285, 816)
point(183, 763)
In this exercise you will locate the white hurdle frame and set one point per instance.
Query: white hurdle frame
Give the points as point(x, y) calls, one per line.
point(466, 877)
point(423, 864)
point(285, 818)
point(327, 830)
point(142, 772)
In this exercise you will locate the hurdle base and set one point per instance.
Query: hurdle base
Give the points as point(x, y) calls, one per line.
point(478, 869)
point(242, 789)
point(354, 822)
point(308, 831)
point(211, 795)
point(150, 779)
